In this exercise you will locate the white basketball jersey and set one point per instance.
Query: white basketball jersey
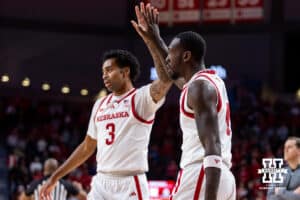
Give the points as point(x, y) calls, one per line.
point(192, 149)
point(122, 125)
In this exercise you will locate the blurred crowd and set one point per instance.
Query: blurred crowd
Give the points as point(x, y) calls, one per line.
point(36, 129)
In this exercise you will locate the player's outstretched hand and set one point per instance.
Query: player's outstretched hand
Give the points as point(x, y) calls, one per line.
point(147, 22)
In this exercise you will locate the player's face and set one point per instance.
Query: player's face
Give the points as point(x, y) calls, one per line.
point(174, 59)
point(113, 75)
point(291, 152)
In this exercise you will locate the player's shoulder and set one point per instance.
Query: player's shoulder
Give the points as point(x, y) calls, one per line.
point(201, 89)
point(143, 89)
point(198, 84)
point(100, 100)
point(209, 79)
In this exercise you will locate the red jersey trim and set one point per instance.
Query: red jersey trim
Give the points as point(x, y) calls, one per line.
point(219, 104)
point(135, 114)
point(102, 101)
point(129, 93)
point(186, 113)
point(208, 71)
point(108, 101)
point(132, 91)
point(205, 71)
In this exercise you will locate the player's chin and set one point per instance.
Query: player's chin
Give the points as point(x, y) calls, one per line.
point(171, 74)
point(286, 157)
point(109, 88)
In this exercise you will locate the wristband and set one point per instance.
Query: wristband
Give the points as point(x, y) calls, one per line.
point(212, 161)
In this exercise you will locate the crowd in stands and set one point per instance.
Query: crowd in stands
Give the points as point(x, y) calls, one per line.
point(36, 129)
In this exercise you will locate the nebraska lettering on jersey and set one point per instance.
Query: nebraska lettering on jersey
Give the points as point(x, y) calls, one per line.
point(123, 122)
point(112, 116)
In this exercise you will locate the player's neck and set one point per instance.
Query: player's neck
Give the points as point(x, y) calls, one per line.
point(123, 90)
point(189, 73)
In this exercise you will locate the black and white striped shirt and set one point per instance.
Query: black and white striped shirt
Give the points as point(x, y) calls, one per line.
point(61, 191)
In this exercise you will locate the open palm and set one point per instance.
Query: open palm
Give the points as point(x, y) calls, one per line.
point(147, 21)
point(141, 17)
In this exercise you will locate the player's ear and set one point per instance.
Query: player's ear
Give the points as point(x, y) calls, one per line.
point(126, 71)
point(187, 55)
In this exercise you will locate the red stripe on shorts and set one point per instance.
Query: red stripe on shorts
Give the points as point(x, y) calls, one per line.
point(175, 189)
point(199, 184)
point(138, 188)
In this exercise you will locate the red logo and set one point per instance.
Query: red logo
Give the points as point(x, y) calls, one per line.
point(217, 161)
point(132, 194)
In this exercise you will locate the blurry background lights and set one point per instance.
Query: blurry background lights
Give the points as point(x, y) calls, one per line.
point(84, 92)
point(4, 78)
point(102, 93)
point(153, 74)
point(45, 86)
point(221, 71)
point(26, 82)
point(298, 94)
point(65, 90)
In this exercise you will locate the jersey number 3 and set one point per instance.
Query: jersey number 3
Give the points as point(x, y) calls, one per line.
point(111, 132)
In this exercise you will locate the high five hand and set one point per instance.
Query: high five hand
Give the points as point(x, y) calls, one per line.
point(147, 21)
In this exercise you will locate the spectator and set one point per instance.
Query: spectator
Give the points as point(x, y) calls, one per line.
point(290, 188)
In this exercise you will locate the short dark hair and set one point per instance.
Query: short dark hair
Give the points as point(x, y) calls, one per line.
point(123, 59)
point(194, 42)
point(296, 139)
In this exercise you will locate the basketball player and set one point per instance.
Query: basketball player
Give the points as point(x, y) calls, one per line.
point(204, 112)
point(61, 191)
point(119, 127)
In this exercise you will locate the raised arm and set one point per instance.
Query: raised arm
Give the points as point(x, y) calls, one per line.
point(81, 154)
point(147, 27)
point(202, 98)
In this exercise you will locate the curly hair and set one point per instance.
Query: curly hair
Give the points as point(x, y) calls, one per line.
point(123, 59)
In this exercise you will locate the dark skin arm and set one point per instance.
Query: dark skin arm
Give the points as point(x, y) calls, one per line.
point(202, 98)
point(81, 154)
point(147, 27)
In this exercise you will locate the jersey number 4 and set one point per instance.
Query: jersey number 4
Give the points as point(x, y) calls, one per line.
point(111, 133)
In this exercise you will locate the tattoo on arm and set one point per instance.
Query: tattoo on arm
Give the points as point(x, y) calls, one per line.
point(159, 52)
point(159, 89)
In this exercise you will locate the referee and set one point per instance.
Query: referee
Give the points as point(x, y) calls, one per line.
point(62, 190)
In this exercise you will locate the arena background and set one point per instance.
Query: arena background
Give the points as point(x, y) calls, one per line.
point(61, 42)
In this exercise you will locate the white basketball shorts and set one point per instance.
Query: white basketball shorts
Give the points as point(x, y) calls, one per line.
point(191, 184)
point(110, 187)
